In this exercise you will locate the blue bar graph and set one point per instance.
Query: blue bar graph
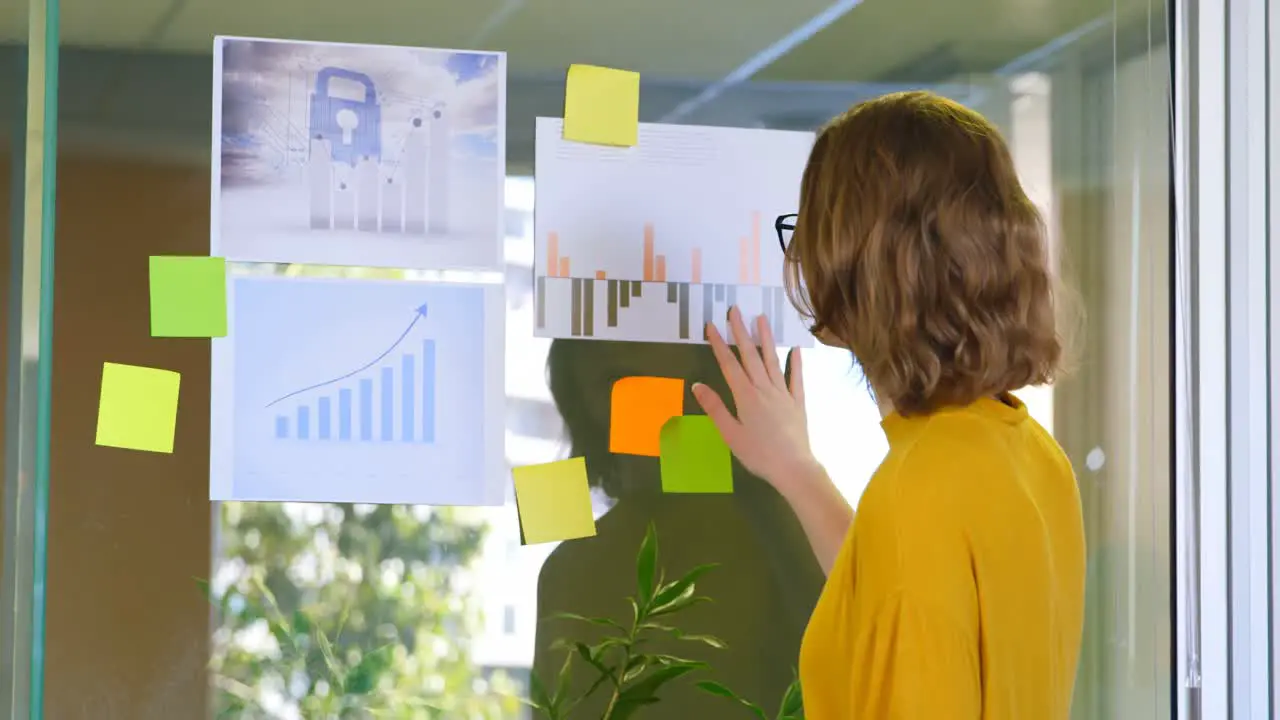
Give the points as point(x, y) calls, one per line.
point(324, 418)
point(428, 391)
point(405, 394)
point(388, 404)
point(407, 398)
point(366, 409)
point(344, 414)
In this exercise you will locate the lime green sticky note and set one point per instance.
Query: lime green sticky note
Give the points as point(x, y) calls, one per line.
point(694, 458)
point(554, 501)
point(138, 408)
point(188, 297)
point(602, 105)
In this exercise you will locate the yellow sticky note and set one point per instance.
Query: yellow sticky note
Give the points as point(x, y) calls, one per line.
point(138, 408)
point(602, 105)
point(638, 409)
point(554, 501)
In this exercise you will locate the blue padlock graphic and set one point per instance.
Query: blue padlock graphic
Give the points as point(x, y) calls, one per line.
point(353, 128)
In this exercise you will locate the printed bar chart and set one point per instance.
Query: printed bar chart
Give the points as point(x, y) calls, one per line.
point(414, 386)
point(655, 242)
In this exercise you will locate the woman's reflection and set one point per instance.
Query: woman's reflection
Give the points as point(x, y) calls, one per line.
point(767, 580)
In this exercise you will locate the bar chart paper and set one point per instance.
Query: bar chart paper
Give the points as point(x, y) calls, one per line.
point(371, 155)
point(359, 391)
point(650, 243)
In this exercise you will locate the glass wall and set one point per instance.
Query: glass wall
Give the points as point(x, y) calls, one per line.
point(162, 604)
point(28, 122)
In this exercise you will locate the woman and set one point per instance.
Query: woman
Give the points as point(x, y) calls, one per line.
point(763, 589)
point(957, 590)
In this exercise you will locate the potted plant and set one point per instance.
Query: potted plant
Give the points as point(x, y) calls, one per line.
point(620, 665)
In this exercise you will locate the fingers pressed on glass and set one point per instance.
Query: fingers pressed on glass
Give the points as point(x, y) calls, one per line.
point(733, 372)
point(797, 375)
point(769, 351)
point(747, 348)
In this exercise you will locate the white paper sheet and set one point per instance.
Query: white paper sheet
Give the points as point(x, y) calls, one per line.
point(364, 155)
point(649, 243)
point(343, 390)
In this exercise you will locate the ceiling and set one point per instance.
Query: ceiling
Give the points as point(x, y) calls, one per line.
point(140, 68)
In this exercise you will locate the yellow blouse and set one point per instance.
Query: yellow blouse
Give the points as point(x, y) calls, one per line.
point(959, 592)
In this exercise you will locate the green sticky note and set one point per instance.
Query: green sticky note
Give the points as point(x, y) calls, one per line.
point(554, 501)
point(602, 105)
point(188, 297)
point(138, 408)
point(694, 458)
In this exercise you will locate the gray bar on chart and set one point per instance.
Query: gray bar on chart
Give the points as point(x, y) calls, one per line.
point(320, 176)
point(388, 404)
point(719, 292)
point(408, 399)
point(323, 411)
point(344, 414)
point(304, 422)
point(635, 288)
point(542, 301)
point(733, 295)
point(779, 319)
point(367, 195)
point(684, 311)
point(613, 303)
point(282, 427)
point(708, 308)
point(671, 292)
point(415, 180)
point(428, 391)
point(391, 191)
point(588, 307)
point(624, 293)
point(575, 308)
point(366, 409)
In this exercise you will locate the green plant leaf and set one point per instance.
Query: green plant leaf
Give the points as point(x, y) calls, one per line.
point(716, 688)
point(562, 683)
point(601, 621)
point(646, 563)
point(538, 697)
point(649, 685)
point(682, 602)
point(678, 588)
point(330, 661)
point(626, 708)
point(792, 702)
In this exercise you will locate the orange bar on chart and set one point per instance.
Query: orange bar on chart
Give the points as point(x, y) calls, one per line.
point(660, 268)
point(755, 248)
point(744, 265)
point(553, 252)
point(564, 267)
point(697, 266)
point(648, 252)
point(599, 274)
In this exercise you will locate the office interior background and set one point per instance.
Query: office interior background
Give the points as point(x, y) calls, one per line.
point(1141, 130)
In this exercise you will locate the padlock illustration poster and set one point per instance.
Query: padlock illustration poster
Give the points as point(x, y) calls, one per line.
point(361, 155)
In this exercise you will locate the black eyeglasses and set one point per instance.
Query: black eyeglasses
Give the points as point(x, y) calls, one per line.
point(785, 225)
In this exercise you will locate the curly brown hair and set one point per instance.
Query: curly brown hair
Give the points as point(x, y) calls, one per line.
point(916, 247)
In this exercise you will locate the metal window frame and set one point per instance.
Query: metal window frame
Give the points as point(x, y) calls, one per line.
point(1225, 313)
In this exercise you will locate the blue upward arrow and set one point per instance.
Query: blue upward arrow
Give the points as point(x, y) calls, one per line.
point(420, 312)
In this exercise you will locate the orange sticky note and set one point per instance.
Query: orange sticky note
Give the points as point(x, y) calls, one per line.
point(639, 408)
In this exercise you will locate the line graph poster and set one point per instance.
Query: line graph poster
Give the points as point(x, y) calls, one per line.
point(359, 391)
point(339, 154)
point(649, 243)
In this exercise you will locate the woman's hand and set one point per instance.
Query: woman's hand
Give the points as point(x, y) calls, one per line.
point(770, 435)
